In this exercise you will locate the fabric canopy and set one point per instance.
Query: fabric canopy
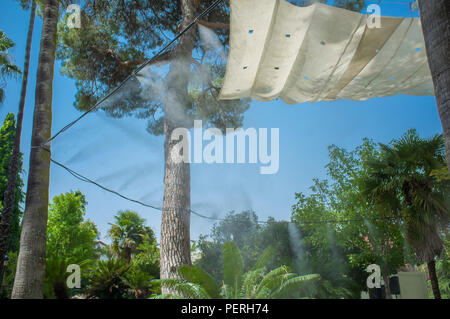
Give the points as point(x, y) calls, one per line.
point(321, 53)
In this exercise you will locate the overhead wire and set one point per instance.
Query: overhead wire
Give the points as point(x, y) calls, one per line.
point(135, 72)
point(112, 92)
point(158, 208)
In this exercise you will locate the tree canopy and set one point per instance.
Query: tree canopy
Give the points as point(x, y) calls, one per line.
point(118, 36)
point(70, 240)
point(7, 134)
point(8, 69)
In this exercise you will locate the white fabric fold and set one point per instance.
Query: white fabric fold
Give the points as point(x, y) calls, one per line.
point(321, 53)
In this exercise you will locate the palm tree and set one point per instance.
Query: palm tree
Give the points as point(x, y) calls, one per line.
point(106, 279)
point(124, 241)
point(7, 68)
point(141, 282)
point(114, 278)
point(29, 280)
point(402, 179)
point(435, 17)
point(127, 234)
point(56, 274)
point(254, 284)
point(9, 196)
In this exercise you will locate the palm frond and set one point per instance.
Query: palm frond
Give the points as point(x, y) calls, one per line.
point(265, 258)
point(165, 296)
point(199, 276)
point(184, 288)
point(250, 283)
point(263, 293)
point(293, 284)
point(273, 278)
point(233, 266)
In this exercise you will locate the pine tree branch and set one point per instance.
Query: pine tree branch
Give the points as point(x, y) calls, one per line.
point(124, 64)
point(214, 25)
point(165, 57)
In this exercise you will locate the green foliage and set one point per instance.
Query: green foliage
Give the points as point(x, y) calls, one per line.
point(68, 234)
point(233, 266)
point(254, 284)
point(56, 276)
point(343, 232)
point(320, 248)
point(117, 36)
point(402, 180)
point(114, 278)
point(70, 240)
point(147, 257)
point(144, 268)
point(132, 261)
point(7, 135)
point(206, 281)
point(440, 175)
point(376, 204)
point(105, 280)
point(26, 4)
point(141, 282)
point(252, 239)
point(408, 180)
point(9, 273)
point(128, 233)
point(7, 68)
point(443, 272)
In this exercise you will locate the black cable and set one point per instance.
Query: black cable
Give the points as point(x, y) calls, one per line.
point(134, 73)
point(88, 180)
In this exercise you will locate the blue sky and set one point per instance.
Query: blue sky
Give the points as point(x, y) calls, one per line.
point(122, 156)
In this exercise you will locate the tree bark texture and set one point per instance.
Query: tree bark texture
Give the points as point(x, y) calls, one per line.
point(435, 17)
point(9, 197)
point(387, 288)
point(29, 279)
point(175, 224)
point(434, 280)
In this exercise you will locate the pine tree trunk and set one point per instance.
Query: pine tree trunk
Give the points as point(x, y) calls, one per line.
point(30, 272)
point(434, 280)
point(435, 17)
point(387, 288)
point(175, 224)
point(9, 197)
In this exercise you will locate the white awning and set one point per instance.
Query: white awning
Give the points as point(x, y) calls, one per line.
point(321, 53)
